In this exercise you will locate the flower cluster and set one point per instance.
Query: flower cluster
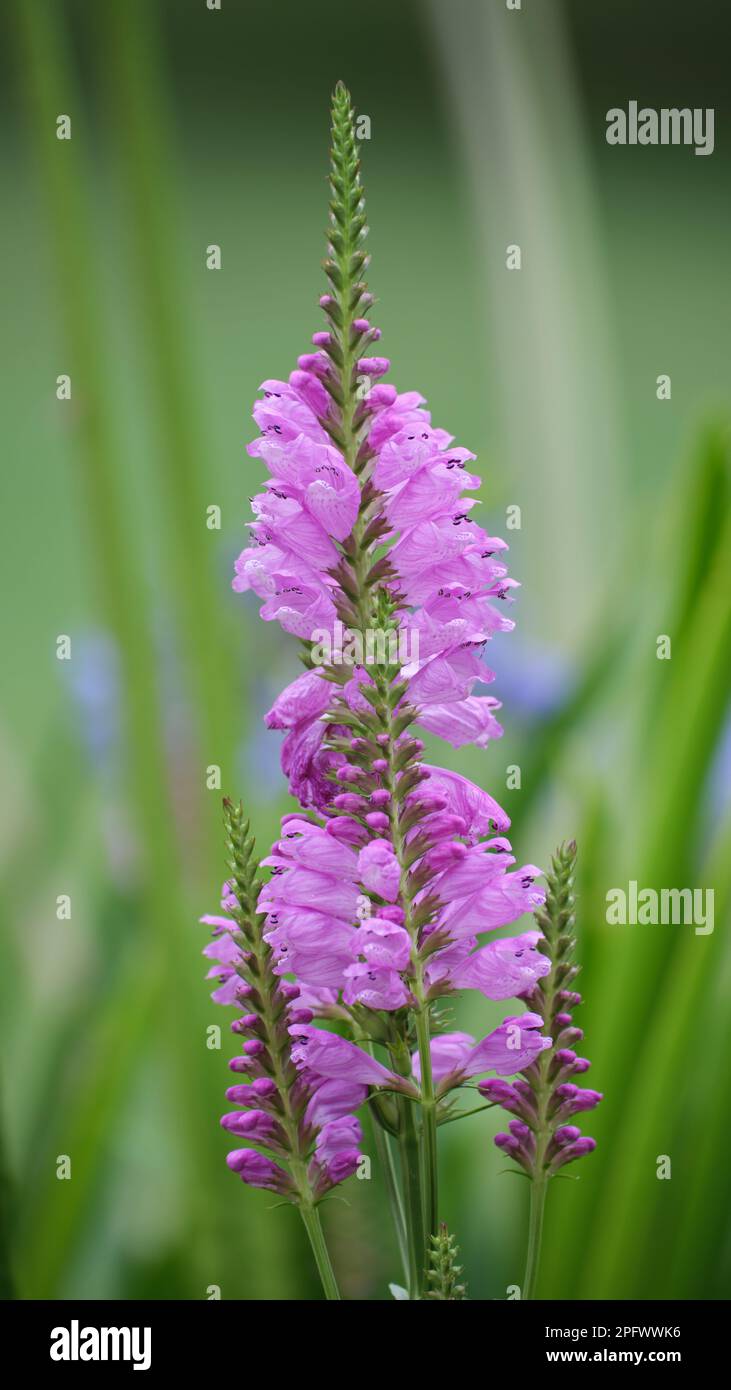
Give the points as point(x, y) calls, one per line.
point(377, 895)
point(437, 567)
point(455, 1057)
point(336, 922)
point(378, 892)
point(545, 1098)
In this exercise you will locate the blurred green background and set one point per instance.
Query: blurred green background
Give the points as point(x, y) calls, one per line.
point(192, 127)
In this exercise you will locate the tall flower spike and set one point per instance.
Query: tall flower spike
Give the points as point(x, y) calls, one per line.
point(363, 546)
point(545, 1097)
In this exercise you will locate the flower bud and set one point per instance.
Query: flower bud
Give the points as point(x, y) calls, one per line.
point(256, 1170)
point(348, 801)
point(264, 1088)
point(288, 991)
point(301, 1016)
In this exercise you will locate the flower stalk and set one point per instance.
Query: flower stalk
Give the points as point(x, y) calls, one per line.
point(536, 1214)
point(313, 1226)
point(411, 1175)
point(428, 1123)
point(393, 1192)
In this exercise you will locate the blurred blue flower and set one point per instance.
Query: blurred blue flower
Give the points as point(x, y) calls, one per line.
point(93, 679)
point(718, 785)
point(260, 753)
point(533, 679)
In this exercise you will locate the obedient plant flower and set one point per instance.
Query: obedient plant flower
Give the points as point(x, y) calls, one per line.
point(329, 1056)
point(544, 1097)
point(386, 878)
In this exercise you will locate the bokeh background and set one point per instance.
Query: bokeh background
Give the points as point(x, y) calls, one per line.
point(192, 127)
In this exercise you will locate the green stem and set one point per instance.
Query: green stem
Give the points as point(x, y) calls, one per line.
point(535, 1233)
point(313, 1226)
point(395, 1201)
point(478, 1109)
point(411, 1179)
point(429, 1124)
point(388, 1167)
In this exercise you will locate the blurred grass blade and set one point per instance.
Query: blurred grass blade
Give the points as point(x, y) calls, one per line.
point(138, 101)
point(649, 979)
point(50, 89)
point(7, 1287)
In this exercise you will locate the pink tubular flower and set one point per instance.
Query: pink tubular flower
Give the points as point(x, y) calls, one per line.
point(333, 1099)
point(381, 942)
point(329, 1056)
point(378, 870)
point(508, 1049)
point(480, 813)
point(447, 1054)
point(375, 986)
point(338, 1137)
point(503, 969)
